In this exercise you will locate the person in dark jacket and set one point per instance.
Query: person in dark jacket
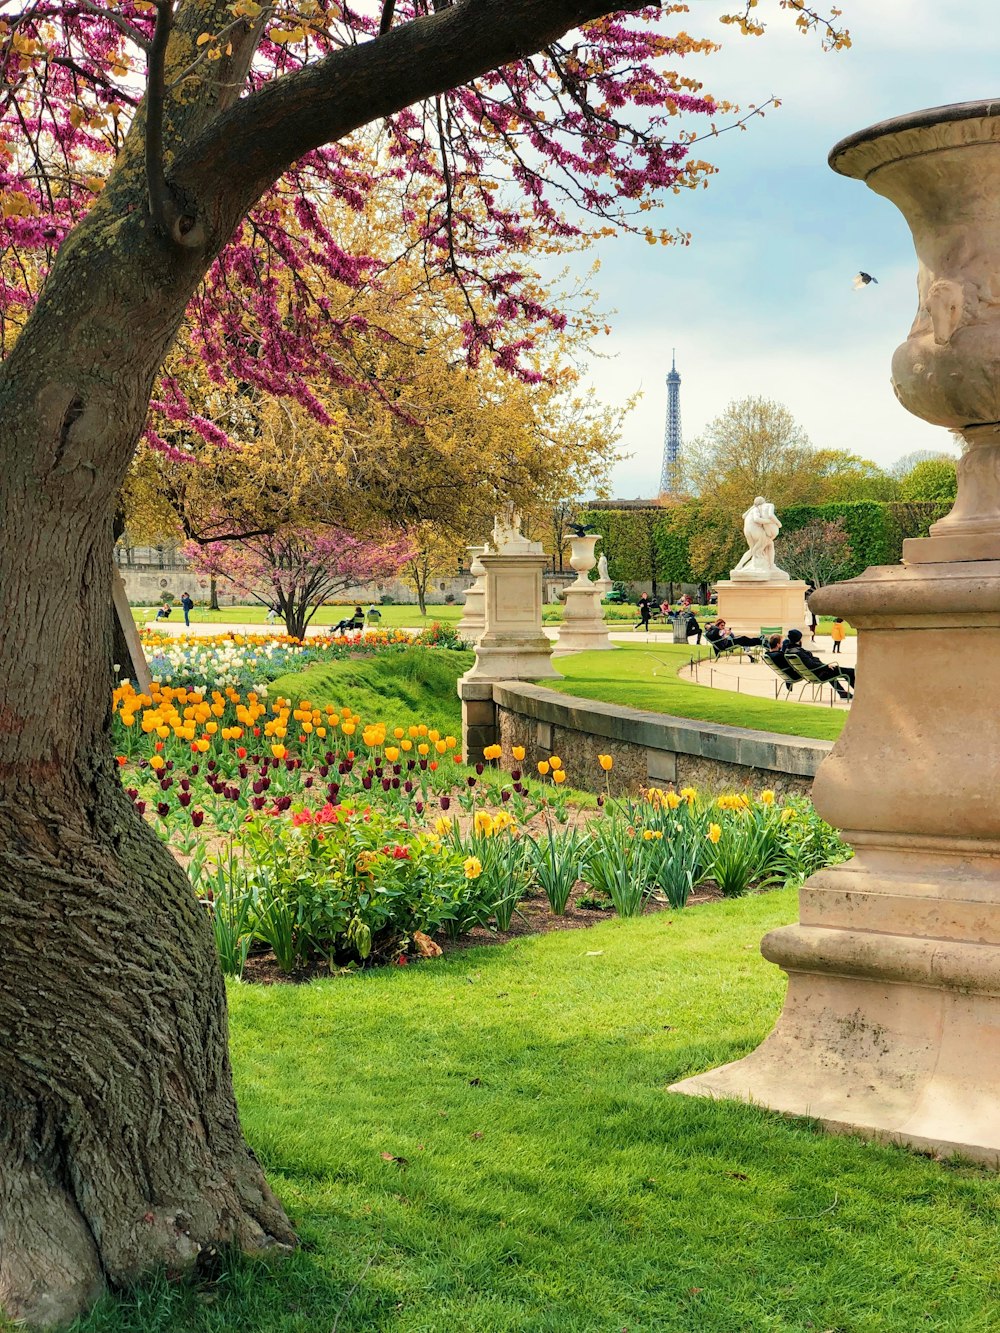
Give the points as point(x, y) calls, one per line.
point(692, 625)
point(793, 650)
point(721, 637)
point(644, 613)
point(187, 606)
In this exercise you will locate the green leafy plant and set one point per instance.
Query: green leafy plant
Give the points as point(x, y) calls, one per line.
point(614, 864)
point(555, 864)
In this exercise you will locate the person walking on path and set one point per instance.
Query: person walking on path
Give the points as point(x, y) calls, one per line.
point(187, 606)
point(837, 633)
point(644, 613)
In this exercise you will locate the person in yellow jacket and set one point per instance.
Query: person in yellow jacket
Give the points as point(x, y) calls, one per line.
point(838, 632)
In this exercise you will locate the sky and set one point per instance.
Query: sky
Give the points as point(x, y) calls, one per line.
point(761, 302)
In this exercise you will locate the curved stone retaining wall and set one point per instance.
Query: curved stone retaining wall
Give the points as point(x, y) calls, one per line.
point(649, 749)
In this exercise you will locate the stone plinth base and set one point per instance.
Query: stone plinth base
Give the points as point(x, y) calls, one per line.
point(473, 621)
point(893, 1036)
point(746, 605)
point(891, 1024)
point(513, 645)
point(583, 628)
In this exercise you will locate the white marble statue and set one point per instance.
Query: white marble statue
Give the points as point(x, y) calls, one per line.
point(602, 569)
point(508, 539)
point(760, 527)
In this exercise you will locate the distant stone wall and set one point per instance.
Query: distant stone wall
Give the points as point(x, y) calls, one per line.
point(649, 749)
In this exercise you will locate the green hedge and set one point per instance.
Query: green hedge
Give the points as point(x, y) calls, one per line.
point(651, 543)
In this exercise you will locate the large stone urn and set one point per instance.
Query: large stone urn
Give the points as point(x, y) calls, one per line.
point(891, 1024)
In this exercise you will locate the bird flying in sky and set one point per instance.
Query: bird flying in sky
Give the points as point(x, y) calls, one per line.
point(862, 279)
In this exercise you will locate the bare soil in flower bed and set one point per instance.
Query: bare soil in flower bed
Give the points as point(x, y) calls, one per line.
point(535, 919)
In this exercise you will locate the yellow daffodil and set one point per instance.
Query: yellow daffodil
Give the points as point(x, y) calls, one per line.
point(473, 867)
point(689, 794)
point(442, 826)
point(714, 833)
point(767, 797)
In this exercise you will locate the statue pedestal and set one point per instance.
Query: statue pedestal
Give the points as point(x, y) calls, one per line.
point(747, 604)
point(513, 646)
point(891, 1024)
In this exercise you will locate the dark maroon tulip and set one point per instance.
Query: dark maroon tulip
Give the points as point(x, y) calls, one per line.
point(197, 818)
point(141, 807)
point(471, 780)
point(307, 782)
point(163, 809)
point(132, 792)
point(211, 766)
point(386, 784)
point(333, 790)
point(366, 782)
point(243, 771)
point(329, 757)
point(258, 787)
point(283, 802)
point(184, 798)
point(505, 795)
point(407, 786)
point(194, 770)
point(396, 770)
point(184, 784)
point(479, 768)
point(419, 807)
point(423, 764)
point(258, 802)
point(169, 765)
point(323, 770)
point(445, 802)
point(515, 774)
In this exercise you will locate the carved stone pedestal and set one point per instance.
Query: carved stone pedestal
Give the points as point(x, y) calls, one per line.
point(745, 605)
point(892, 1020)
point(891, 1024)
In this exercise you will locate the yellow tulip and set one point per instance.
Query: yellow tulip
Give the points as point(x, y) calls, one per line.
point(606, 762)
point(555, 761)
point(423, 750)
point(391, 753)
point(492, 752)
point(559, 776)
point(278, 751)
point(543, 767)
point(399, 733)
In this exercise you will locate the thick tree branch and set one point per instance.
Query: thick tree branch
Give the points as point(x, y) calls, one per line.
point(248, 147)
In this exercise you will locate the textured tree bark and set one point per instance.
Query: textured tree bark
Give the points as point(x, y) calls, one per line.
point(120, 1142)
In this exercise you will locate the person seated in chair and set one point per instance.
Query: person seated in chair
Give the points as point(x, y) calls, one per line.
point(164, 612)
point(721, 637)
point(374, 615)
point(773, 654)
point(354, 621)
point(691, 621)
point(794, 651)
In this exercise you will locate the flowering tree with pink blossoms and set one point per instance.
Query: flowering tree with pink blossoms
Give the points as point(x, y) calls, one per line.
point(152, 153)
point(295, 571)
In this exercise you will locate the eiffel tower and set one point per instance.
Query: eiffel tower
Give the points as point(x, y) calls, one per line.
point(669, 473)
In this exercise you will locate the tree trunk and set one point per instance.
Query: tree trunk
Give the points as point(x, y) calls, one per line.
point(422, 601)
point(120, 1143)
point(213, 594)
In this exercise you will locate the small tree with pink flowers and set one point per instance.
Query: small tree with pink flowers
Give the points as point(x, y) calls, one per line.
point(296, 570)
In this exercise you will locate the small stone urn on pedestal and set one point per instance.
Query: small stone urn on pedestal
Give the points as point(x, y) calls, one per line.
point(891, 1024)
point(473, 619)
point(583, 627)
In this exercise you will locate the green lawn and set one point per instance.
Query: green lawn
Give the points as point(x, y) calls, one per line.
point(392, 616)
point(485, 1144)
point(399, 688)
point(646, 677)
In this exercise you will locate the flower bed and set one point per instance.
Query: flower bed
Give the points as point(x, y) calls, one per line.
point(246, 661)
point(329, 840)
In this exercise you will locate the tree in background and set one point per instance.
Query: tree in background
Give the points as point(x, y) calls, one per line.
point(930, 479)
point(819, 553)
point(756, 447)
point(152, 155)
point(295, 571)
point(433, 555)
